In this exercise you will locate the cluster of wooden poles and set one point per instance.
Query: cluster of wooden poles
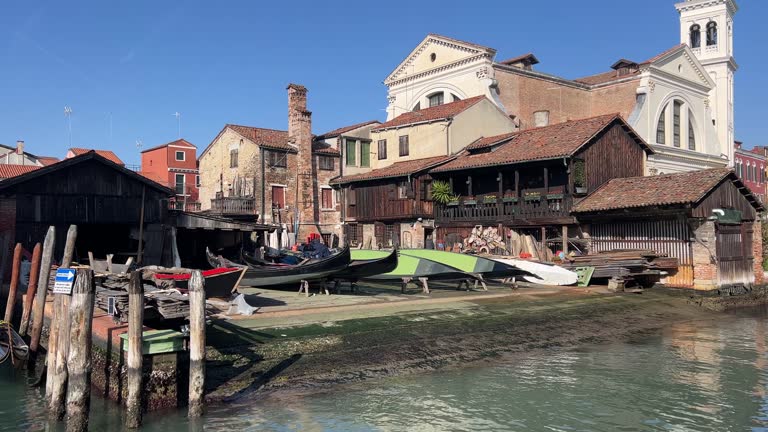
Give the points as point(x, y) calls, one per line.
point(68, 357)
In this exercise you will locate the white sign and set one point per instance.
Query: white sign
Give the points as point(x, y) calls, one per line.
point(65, 278)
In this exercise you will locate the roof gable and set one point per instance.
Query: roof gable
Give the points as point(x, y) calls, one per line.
point(425, 115)
point(680, 61)
point(549, 142)
point(178, 143)
point(446, 51)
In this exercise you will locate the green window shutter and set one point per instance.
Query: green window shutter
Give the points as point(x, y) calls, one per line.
point(350, 152)
point(365, 154)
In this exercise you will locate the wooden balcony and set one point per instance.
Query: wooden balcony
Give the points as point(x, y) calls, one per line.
point(234, 206)
point(531, 210)
point(191, 207)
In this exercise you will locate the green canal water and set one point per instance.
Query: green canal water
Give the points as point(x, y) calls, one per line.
point(698, 376)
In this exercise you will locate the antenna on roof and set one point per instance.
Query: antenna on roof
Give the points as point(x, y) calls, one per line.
point(68, 115)
point(139, 144)
point(178, 121)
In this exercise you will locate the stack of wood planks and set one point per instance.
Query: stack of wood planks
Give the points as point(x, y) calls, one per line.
point(526, 244)
point(626, 264)
point(167, 304)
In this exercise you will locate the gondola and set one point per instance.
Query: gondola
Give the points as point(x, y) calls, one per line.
point(13, 350)
point(286, 275)
point(218, 261)
point(412, 267)
point(219, 282)
point(256, 262)
point(361, 269)
point(472, 264)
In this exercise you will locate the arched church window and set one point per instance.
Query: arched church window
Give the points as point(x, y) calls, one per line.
point(711, 33)
point(691, 135)
point(436, 99)
point(676, 123)
point(417, 107)
point(695, 36)
point(661, 133)
point(455, 98)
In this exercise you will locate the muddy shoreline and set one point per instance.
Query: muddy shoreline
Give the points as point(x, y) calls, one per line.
point(319, 357)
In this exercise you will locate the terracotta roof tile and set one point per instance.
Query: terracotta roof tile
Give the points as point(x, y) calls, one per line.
point(398, 169)
point(10, 170)
point(324, 148)
point(430, 114)
point(529, 57)
point(47, 160)
point(345, 129)
point(108, 154)
point(270, 138)
point(666, 189)
point(549, 142)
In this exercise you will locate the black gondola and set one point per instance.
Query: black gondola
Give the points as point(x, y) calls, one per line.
point(13, 350)
point(218, 261)
point(310, 271)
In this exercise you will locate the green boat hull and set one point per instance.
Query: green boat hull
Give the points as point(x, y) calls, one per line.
point(411, 267)
point(488, 268)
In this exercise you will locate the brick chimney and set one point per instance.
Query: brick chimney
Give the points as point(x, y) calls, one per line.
point(300, 135)
point(20, 147)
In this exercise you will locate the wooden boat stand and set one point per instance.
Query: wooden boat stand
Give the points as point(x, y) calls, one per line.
point(304, 287)
point(424, 284)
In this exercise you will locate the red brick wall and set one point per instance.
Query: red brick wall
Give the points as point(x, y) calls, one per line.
point(617, 98)
point(757, 252)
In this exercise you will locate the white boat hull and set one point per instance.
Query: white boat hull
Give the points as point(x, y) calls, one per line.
point(545, 274)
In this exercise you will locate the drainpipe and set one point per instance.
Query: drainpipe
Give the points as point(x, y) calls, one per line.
point(448, 138)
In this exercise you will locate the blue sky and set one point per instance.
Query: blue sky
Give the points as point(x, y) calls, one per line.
point(223, 62)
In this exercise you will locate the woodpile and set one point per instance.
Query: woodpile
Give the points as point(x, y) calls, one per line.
point(626, 264)
point(523, 245)
point(161, 303)
point(484, 240)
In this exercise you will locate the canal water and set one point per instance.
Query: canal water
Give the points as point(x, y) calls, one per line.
point(697, 376)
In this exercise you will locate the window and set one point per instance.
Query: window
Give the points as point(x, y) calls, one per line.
point(365, 154)
point(661, 133)
point(676, 123)
point(278, 197)
point(351, 146)
point(417, 106)
point(436, 99)
point(404, 145)
point(197, 181)
point(691, 134)
point(382, 149)
point(455, 98)
point(326, 163)
point(233, 158)
point(541, 118)
point(326, 198)
point(179, 155)
point(695, 36)
point(179, 184)
point(277, 159)
point(711, 33)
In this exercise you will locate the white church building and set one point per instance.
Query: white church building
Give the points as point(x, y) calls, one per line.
point(680, 101)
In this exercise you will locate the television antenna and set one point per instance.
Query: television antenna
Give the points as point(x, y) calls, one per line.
point(68, 115)
point(178, 121)
point(139, 144)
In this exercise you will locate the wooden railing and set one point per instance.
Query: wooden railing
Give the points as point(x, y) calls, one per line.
point(191, 207)
point(506, 209)
point(233, 205)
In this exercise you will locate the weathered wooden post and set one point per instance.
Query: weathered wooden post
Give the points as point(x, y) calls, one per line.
point(14, 283)
point(135, 344)
point(79, 358)
point(196, 343)
point(34, 271)
point(58, 339)
point(38, 313)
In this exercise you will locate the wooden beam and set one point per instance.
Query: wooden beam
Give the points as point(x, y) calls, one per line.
point(79, 359)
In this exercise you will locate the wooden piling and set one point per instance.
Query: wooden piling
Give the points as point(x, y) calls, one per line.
point(135, 344)
point(11, 305)
point(58, 339)
point(196, 343)
point(38, 312)
point(79, 358)
point(34, 271)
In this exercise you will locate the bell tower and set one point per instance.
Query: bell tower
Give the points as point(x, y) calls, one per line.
point(707, 27)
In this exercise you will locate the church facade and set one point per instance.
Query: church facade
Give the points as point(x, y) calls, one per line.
point(680, 101)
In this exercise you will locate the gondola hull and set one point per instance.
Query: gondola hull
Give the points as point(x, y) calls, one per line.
point(291, 275)
point(361, 269)
point(488, 268)
point(412, 267)
point(219, 282)
point(13, 350)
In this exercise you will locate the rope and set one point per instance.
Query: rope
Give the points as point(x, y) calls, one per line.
point(8, 326)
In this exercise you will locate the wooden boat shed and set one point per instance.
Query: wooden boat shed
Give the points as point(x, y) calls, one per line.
point(706, 219)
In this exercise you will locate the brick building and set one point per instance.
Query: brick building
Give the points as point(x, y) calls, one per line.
point(174, 165)
point(750, 165)
point(273, 176)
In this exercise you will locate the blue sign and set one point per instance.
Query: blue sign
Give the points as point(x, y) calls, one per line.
point(65, 278)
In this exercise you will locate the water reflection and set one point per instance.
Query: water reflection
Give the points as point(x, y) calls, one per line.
point(695, 376)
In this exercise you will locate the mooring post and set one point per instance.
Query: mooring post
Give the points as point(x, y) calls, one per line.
point(135, 346)
point(196, 343)
point(58, 340)
point(38, 313)
point(34, 271)
point(79, 358)
point(10, 306)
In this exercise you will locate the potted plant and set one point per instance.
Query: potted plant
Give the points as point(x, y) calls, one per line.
point(554, 196)
point(509, 197)
point(579, 177)
point(469, 200)
point(533, 196)
point(489, 199)
point(442, 193)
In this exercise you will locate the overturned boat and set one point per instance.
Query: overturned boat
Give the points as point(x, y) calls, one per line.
point(541, 273)
point(365, 268)
point(472, 264)
point(411, 267)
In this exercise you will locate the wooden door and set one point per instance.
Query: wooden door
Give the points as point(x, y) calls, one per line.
point(734, 255)
point(278, 197)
